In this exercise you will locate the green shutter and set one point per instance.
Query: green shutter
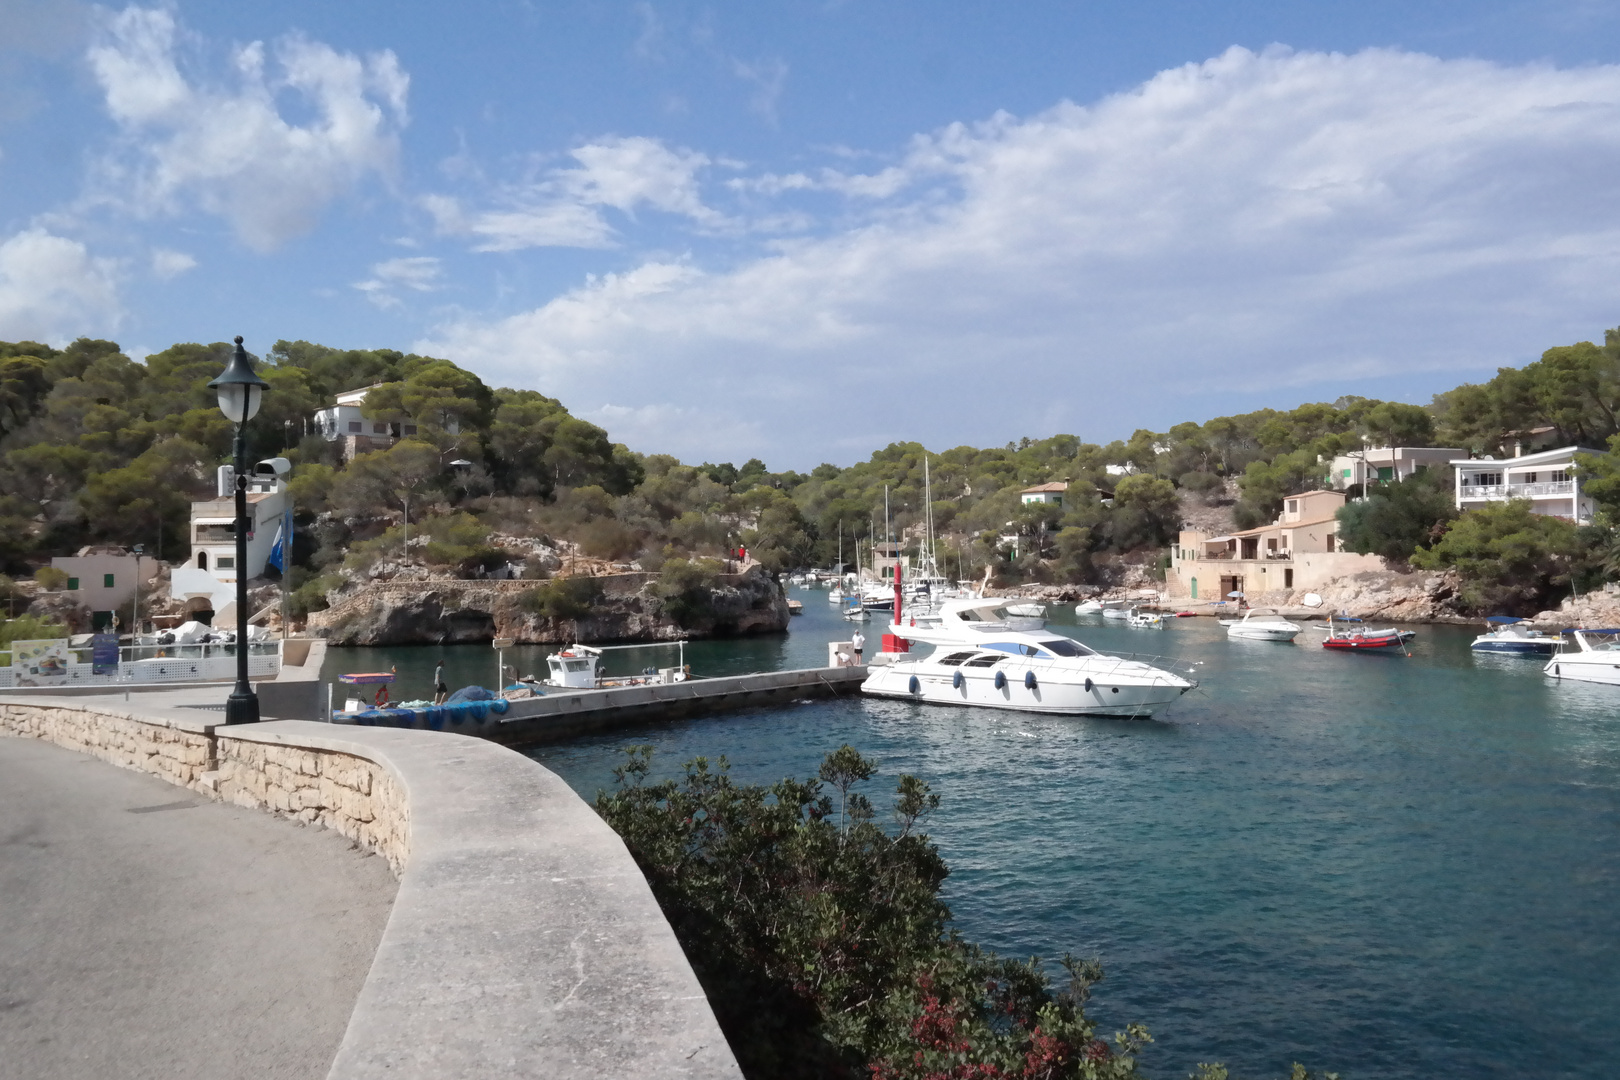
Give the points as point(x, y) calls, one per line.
point(73, 583)
point(106, 581)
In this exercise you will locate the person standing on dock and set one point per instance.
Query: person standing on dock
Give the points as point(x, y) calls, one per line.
point(857, 643)
point(440, 690)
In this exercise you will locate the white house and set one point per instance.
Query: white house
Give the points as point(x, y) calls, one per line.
point(1388, 463)
point(1546, 479)
point(342, 421)
point(1051, 494)
point(207, 581)
point(103, 579)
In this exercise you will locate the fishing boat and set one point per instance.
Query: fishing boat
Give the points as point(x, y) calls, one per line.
point(1031, 672)
point(579, 667)
point(855, 611)
point(1354, 635)
point(1595, 658)
point(1270, 626)
point(1509, 635)
point(380, 679)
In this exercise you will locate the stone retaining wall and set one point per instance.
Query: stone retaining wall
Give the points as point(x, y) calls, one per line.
point(347, 794)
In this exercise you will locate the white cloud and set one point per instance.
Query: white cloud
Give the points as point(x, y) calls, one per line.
point(564, 208)
point(1244, 231)
point(52, 289)
point(419, 273)
point(229, 148)
point(769, 78)
point(167, 264)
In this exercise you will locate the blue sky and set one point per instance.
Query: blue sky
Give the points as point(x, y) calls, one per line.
point(800, 231)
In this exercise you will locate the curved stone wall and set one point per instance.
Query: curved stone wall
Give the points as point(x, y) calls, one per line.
point(523, 940)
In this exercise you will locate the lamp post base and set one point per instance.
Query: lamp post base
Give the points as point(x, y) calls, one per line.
point(242, 707)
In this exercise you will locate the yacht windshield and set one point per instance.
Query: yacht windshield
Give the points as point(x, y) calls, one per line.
point(1066, 647)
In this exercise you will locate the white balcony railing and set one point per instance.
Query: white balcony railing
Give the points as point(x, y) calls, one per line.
point(1518, 491)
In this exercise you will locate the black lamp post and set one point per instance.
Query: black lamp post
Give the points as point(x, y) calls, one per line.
point(240, 394)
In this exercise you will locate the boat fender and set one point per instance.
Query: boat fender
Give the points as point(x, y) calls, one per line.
point(1001, 680)
point(1029, 680)
point(915, 686)
point(1088, 686)
point(957, 681)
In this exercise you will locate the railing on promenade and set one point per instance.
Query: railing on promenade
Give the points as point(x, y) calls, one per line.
point(213, 662)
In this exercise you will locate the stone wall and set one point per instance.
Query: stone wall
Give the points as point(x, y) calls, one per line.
point(349, 795)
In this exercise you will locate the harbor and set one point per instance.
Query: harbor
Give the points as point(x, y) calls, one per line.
point(1405, 863)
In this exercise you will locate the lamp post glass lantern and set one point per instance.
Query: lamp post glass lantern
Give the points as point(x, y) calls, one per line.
point(241, 392)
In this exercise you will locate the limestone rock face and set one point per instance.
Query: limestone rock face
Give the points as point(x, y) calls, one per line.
point(454, 612)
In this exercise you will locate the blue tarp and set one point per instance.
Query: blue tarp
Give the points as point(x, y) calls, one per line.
point(1503, 619)
point(469, 693)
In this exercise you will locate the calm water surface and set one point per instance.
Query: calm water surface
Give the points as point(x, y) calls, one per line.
point(1391, 867)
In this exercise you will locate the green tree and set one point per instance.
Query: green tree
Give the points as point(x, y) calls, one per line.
point(1395, 519)
point(1147, 513)
point(1509, 558)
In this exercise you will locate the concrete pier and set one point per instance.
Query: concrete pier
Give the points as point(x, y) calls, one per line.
point(563, 714)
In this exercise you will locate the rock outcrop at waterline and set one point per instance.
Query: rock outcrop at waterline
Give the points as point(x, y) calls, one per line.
point(451, 611)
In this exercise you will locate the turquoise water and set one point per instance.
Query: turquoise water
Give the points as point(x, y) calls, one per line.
point(1391, 867)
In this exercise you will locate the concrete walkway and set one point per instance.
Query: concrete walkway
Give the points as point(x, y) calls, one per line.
point(148, 932)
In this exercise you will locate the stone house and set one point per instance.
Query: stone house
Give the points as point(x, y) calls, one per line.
point(1298, 552)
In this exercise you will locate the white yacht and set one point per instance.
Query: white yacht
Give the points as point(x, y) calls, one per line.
point(1262, 624)
point(1596, 658)
point(1088, 607)
point(1031, 672)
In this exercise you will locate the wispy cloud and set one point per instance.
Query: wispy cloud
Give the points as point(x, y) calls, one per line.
point(564, 208)
point(1257, 223)
point(167, 264)
point(418, 273)
point(227, 146)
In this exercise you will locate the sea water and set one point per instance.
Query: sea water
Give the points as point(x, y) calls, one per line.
point(1387, 866)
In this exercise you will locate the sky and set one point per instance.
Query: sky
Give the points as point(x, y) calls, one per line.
point(802, 231)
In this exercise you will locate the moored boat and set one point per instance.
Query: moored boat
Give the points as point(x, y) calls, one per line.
point(1270, 626)
point(1510, 635)
point(1033, 672)
point(1595, 658)
point(1355, 636)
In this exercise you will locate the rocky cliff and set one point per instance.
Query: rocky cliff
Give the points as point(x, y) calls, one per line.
point(628, 608)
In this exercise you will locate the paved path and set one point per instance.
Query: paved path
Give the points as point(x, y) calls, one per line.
point(148, 932)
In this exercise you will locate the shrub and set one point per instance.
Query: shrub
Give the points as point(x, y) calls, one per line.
point(563, 598)
point(51, 579)
point(821, 941)
point(1200, 482)
point(686, 587)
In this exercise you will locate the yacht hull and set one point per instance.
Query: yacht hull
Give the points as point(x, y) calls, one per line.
point(1128, 697)
point(1517, 648)
point(1576, 668)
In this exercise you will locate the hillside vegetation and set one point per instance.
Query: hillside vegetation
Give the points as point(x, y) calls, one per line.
point(96, 447)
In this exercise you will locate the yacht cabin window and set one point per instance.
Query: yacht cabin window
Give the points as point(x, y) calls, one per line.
point(985, 660)
point(955, 658)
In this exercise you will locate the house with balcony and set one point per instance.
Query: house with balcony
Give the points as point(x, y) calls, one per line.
point(1386, 464)
point(343, 421)
point(1546, 479)
point(1296, 553)
point(207, 580)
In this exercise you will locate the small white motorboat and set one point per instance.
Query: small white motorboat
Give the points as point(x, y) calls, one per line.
point(1116, 610)
point(1088, 607)
point(1146, 620)
point(1595, 658)
point(1268, 626)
